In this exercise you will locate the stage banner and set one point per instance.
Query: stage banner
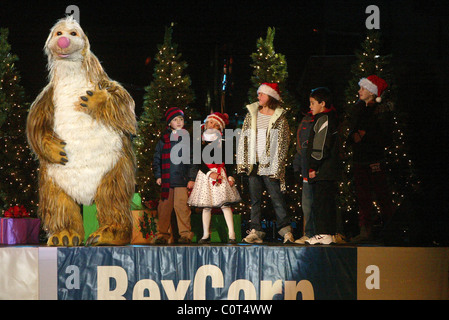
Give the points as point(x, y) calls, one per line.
point(19, 273)
point(401, 273)
point(207, 272)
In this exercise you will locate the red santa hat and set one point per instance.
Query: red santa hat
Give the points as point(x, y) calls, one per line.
point(271, 89)
point(221, 118)
point(375, 85)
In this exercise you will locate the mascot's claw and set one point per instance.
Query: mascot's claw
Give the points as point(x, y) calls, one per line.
point(54, 150)
point(108, 235)
point(94, 98)
point(65, 238)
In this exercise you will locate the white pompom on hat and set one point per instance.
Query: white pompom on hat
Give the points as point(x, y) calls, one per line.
point(271, 89)
point(375, 85)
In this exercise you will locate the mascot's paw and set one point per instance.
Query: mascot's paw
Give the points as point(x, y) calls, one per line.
point(66, 238)
point(93, 99)
point(109, 235)
point(54, 149)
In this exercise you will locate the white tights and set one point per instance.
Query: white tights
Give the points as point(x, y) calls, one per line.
point(227, 212)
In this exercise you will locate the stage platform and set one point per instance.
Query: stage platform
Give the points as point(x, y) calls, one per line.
point(224, 272)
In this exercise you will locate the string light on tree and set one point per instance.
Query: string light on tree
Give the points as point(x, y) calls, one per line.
point(18, 170)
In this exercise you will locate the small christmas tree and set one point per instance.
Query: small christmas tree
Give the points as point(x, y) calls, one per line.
point(269, 66)
point(18, 178)
point(370, 60)
point(170, 88)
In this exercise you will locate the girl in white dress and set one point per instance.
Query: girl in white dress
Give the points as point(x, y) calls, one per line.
point(214, 188)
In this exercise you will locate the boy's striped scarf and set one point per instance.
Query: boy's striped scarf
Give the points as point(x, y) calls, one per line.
point(166, 165)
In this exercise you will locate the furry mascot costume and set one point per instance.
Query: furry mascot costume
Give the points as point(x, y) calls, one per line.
point(79, 127)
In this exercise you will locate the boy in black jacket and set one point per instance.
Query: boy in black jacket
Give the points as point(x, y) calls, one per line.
point(369, 136)
point(324, 165)
point(175, 177)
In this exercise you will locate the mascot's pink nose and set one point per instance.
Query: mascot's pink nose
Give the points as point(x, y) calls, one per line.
point(63, 42)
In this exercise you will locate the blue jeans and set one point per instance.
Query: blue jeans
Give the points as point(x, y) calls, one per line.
point(307, 200)
point(273, 187)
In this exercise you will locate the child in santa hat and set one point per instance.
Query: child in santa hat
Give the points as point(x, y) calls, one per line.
point(369, 137)
point(262, 154)
point(214, 185)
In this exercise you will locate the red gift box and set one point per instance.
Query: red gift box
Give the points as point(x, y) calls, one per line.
point(19, 231)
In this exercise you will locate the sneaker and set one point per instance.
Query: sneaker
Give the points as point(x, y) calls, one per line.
point(302, 240)
point(361, 238)
point(364, 236)
point(254, 236)
point(339, 238)
point(288, 238)
point(320, 239)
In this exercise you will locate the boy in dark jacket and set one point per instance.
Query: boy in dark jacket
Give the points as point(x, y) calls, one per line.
point(369, 136)
point(175, 177)
point(324, 165)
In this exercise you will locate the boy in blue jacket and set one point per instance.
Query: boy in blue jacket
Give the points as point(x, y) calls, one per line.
point(174, 178)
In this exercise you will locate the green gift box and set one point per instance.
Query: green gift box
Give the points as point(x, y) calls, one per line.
point(218, 228)
point(136, 202)
point(90, 221)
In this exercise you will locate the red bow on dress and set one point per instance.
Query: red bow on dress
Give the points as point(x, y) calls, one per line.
point(219, 168)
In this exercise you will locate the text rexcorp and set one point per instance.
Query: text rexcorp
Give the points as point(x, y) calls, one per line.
point(148, 289)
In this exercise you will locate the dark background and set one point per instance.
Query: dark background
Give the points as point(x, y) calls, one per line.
point(125, 34)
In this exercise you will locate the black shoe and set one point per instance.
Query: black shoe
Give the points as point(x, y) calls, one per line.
point(232, 241)
point(204, 241)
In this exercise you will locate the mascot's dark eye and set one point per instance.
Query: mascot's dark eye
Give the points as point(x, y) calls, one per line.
point(58, 33)
point(73, 33)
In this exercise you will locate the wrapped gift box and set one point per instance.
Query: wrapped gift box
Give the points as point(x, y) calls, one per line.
point(146, 220)
point(19, 231)
point(90, 221)
point(136, 202)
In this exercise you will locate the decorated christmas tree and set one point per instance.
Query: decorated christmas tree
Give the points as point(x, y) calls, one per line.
point(170, 87)
point(18, 175)
point(371, 60)
point(270, 66)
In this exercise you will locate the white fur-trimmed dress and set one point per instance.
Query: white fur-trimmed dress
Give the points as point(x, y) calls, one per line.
point(207, 193)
